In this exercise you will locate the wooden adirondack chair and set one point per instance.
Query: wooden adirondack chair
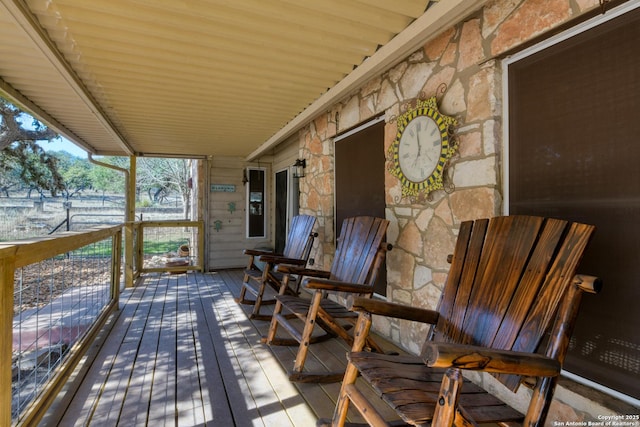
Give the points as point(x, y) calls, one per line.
point(359, 255)
point(296, 252)
point(512, 279)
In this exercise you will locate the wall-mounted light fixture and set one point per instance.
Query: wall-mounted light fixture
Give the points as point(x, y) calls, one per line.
point(299, 166)
point(244, 177)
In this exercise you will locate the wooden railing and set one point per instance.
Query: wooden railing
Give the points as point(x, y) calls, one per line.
point(158, 246)
point(36, 276)
point(150, 246)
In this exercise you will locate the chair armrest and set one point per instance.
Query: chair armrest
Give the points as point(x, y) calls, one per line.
point(293, 269)
point(257, 252)
point(398, 311)
point(590, 284)
point(448, 355)
point(279, 259)
point(337, 286)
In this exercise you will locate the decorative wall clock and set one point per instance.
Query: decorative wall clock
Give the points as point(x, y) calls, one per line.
point(422, 149)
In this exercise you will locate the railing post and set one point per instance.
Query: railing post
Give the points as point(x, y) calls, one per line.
point(7, 272)
point(128, 253)
point(130, 216)
point(139, 247)
point(201, 245)
point(116, 264)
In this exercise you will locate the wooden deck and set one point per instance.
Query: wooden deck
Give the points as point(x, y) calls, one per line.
point(182, 352)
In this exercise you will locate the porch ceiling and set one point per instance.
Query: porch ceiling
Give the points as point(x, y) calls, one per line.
point(200, 77)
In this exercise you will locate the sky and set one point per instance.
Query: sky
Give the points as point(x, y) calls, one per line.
point(58, 144)
point(63, 144)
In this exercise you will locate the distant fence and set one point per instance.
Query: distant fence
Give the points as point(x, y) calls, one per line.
point(43, 218)
point(25, 218)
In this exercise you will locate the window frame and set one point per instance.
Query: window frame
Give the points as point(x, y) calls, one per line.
point(265, 205)
point(380, 287)
point(505, 171)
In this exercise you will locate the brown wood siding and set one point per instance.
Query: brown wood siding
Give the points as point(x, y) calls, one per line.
point(226, 245)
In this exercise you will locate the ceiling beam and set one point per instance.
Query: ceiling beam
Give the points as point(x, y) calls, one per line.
point(436, 19)
point(29, 24)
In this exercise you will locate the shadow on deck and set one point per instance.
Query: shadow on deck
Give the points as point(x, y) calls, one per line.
point(182, 352)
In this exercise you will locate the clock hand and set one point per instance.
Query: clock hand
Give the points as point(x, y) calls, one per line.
point(415, 161)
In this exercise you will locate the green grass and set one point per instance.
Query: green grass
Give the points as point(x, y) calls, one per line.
point(163, 247)
point(153, 247)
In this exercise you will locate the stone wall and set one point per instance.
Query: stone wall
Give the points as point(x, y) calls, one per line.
point(423, 233)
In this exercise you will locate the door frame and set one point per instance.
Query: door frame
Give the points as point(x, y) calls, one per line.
point(289, 200)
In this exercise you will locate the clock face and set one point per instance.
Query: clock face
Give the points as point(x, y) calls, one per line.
point(422, 149)
point(419, 148)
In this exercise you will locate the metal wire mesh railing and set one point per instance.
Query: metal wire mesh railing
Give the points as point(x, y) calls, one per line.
point(168, 246)
point(57, 292)
point(62, 290)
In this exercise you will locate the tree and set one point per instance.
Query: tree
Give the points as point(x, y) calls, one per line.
point(19, 151)
point(160, 176)
point(9, 176)
point(109, 180)
point(76, 173)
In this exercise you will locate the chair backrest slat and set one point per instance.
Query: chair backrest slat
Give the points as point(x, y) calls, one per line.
point(507, 247)
point(529, 287)
point(460, 280)
point(359, 245)
point(300, 237)
point(507, 278)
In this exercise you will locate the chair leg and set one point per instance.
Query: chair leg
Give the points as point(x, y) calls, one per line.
point(243, 290)
point(273, 328)
point(309, 324)
point(256, 307)
point(360, 333)
point(240, 299)
point(342, 405)
point(447, 404)
point(261, 289)
point(540, 401)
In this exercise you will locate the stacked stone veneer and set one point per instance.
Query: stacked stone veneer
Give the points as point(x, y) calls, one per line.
point(423, 233)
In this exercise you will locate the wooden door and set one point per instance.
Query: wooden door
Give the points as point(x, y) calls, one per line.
point(282, 191)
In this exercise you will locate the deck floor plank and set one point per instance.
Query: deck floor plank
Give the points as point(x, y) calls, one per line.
point(135, 407)
point(189, 405)
point(109, 405)
point(211, 366)
point(248, 357)
point(182, 352)
point(162, 405)
point(108, 364)
point(228, 335)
